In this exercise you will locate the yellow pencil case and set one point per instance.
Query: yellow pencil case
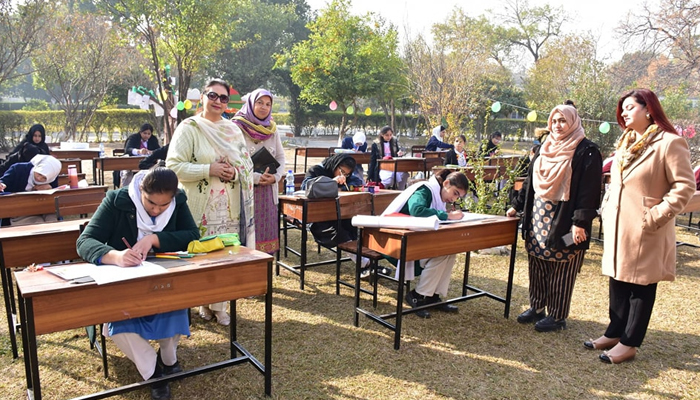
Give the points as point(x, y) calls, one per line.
point(206, 246)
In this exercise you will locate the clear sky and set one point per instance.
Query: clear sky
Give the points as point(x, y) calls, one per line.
point(597, 16)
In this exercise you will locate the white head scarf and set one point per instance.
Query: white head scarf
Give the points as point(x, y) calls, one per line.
point(48, 166)
point(146, 224)
point(359, 137)
point(437, 132)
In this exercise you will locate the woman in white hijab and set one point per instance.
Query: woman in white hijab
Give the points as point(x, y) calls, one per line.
point(40, 173)
point(436, 142)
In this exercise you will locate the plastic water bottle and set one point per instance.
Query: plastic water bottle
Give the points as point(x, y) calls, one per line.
point(72, 176)
point(289, 186)
point(102, 150)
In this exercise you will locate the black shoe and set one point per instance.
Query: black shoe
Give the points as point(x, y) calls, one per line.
point(530, 315)
point(416, 300)
point(161, 390)
point(443, 307)
point(549, 324)
point(386, 271)
point(169, 369)
point(365, 273)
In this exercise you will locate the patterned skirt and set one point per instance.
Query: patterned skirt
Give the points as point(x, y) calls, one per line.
point(266, 223)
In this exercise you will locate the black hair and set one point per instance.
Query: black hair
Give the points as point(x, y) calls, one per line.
point(146, 127)
point(217, 81)
point(464, 138)
point(382, 131)
point(348, 162)
point(456, 179)
point(569, 102)
point(159, 180)
point(496, 134)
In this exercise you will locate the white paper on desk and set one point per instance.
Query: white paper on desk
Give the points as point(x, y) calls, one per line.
point(467, 217)
point(70, 272)
point(113, 273)
point(412, 223)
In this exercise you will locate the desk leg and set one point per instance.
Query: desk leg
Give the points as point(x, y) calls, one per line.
point(29, 346)
point(10, 309)
point(395, 184)
point(233, 332)
point(511, 269)
point(268, 332)
point(304, 237)
point(358, 261)
point(94, 172)
point(467, 259)
point(399, 303)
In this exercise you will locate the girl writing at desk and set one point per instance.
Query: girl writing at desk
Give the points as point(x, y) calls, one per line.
point(150, 213)
point(41, 173)
point(425, 199)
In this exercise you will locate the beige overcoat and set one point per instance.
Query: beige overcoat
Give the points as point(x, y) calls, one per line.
point(639, 212)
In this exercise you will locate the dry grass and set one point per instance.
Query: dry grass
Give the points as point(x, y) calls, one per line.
point(318, 353)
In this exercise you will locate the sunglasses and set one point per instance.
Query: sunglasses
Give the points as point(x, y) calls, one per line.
point(223, 98)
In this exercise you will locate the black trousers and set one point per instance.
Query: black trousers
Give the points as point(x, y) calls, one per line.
point(630, 311)
point(552, 284)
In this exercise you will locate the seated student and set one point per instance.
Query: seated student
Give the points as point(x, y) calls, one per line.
point(158, 155)
point(150, 213)
point(338, 167)
point(425, 199)
point(33, 143)
point(491, 148)
point(385, 147)
point(436, 142)
point(457, 156)
point(41, 173)
point(357, 143)
point(142, 143)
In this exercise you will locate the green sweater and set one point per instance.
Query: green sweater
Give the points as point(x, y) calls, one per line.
point(418, 205)
point(116, 218)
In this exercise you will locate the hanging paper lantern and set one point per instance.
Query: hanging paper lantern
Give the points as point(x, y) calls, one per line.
point(496, 107)
point(180, 106)
point(368, 111)
point(173, 113)
point(532, 116)
point(188, 104)
point(350, 110)
point(604, 127)
point(443, 122)
point(193, 95)
point(333, 106)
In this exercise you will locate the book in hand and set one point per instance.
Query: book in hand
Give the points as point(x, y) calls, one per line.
point(262, 159)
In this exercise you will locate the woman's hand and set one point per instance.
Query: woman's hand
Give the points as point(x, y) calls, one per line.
point(578, 234)
point(267, 178)
point(340, 179)
point(123, 258)
point(223, 170)
point(400, 153)
point(511, 212)
point(456, 214)
point(144, 152)
point(144, 246)
point(45, 186)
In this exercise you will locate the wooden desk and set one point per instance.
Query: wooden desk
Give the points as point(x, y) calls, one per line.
point(362, 158)
point(489, 173)
point(102, 164)
point(405, 164)
point(408, 245)
point(36, 203)
point(433, 154)
point(307, 211)
point(82, 154)
point(50, 304)
point(64, 179)
point(381, 200)
point(71, 161)
point(23, 245)
point(510, 161)
point(321, 152)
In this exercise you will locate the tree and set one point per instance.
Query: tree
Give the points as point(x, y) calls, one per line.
point(344, 59)
point(186, 35)
point(671, 28)
point(569, 69)
point(529, 27)
point(20, 25)
point(80, 62)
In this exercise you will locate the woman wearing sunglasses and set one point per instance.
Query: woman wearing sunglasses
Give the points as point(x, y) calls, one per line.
point(208, 153)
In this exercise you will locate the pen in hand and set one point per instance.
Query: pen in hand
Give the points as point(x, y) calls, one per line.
point(129, 247)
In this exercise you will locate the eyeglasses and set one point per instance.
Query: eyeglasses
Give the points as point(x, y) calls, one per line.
point(223, 98)
point(345, 174)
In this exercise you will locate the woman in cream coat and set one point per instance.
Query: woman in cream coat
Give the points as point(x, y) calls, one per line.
point(651, 182)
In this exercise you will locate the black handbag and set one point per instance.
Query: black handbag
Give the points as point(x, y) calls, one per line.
point(322, 187)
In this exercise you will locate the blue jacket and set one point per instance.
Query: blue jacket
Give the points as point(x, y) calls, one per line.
point(17, 176)
point(434, 143)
